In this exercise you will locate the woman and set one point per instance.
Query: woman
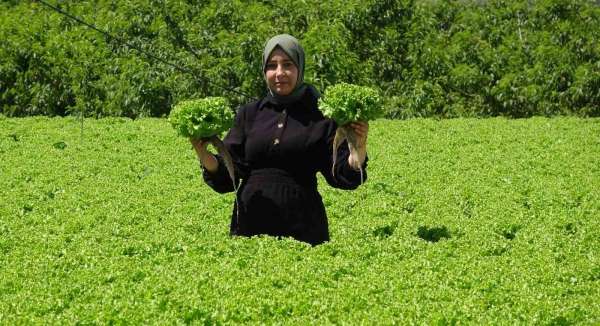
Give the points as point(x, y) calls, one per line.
point(278, 144)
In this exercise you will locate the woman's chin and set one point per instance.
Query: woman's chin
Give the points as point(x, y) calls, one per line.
point(283, 91)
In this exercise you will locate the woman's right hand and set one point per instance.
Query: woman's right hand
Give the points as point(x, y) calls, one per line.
point(208, 160)
point(199, 145)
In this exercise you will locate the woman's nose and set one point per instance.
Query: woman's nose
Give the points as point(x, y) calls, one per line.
point(280, 71)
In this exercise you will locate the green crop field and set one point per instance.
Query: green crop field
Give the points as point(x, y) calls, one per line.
point(466, 221)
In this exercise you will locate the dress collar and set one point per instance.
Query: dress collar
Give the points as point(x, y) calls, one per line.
point(311, 94)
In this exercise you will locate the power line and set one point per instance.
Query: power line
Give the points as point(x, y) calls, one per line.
point(142, 51)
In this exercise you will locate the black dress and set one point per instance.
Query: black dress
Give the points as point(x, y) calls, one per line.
point(277, 151)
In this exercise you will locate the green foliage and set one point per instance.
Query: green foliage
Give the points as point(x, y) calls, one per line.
point(462, 221)
point(201, 118)
point(491, 58)
point(330, 58)
point(508, 58)
point(345, 103)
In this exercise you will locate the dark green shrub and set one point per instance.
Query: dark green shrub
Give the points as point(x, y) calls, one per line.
point(427, 58)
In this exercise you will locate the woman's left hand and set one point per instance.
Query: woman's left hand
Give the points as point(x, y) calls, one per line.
point(361, 128)
point(358, 154)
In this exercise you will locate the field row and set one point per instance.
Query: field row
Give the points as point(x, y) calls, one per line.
point(461, 221)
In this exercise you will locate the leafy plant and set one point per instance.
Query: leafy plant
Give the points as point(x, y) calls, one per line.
point(205, 119)
point(201, 118)
point(120, 230)
point(345, 103)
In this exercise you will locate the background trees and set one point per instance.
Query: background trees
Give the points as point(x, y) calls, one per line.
point(428, 58)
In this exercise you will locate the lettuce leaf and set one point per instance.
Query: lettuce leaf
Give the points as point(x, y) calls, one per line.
point(345, 103)
point(202, 118)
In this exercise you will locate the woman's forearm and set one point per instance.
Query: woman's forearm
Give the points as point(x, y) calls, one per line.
point(209, 162)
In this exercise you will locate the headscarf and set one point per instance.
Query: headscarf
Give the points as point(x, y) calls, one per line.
point(293, 49)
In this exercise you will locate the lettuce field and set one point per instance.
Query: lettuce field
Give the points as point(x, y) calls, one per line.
point(464, 221)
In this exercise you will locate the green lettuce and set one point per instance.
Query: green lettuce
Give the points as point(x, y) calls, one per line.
point(345, 103)
point(202, 118)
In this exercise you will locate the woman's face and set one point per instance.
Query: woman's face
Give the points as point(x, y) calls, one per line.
point(281, 73)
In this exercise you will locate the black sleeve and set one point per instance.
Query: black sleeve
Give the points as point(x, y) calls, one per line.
point(234, 142)
point(342, 175)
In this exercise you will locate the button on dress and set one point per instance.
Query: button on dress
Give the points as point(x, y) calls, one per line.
point(277, 150)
